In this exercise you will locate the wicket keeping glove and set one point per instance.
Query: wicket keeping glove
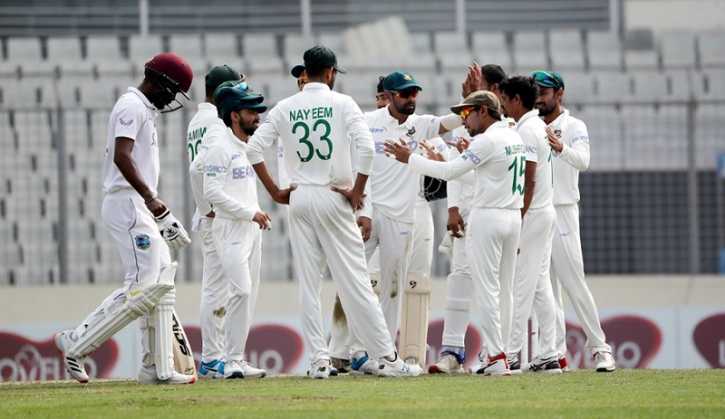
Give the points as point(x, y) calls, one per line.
point(172, 231)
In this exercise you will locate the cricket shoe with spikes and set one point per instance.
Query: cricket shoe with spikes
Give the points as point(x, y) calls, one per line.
point(211, 369)
point(448, 363)
point(496, 366)
point(543, 366)
point(321, 369)
point(362, 364)
point(147, 375)
point(75, 366)
point(397, 368)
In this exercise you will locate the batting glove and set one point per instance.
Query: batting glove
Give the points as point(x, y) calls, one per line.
point(172, 231)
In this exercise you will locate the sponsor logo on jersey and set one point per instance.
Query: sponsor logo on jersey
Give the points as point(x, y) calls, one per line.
point(378, 130)
point(242, 172)
point(468, 154)
point(213, 168)
point(530, 149)
point(236, 156)
point(410, 132)
point(125, 123)
point(557, 132)
point(143, 242)
point(576, 139)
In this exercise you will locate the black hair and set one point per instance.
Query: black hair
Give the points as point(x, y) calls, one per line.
point(494, 113)
point(209, 90)
point(524, 86)
point(493, 73)
point(315, 70)
point(227, 119)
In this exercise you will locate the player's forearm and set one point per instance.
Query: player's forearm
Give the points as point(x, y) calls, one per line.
point(360, 182)
point(440, 170)
point(127, 166)
point(578, 155)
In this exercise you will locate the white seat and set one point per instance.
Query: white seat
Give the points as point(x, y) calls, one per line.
point(105, 53)
point(452, 50)
point(604, 125)
point(530, 52)
point(221, 46)
point(294, 47)
point(708, 135)
point(420, 58)
point(98, 93)
point(612, 86)
point(492, 48)
point(260, 51)
point(649, 85)
point(66, 53)
point(678, 50)
point(567, 50)
point(187, 46)
point(712, 49)
point(578, 87)
point(141, 49)
point(604, 51)
point(655, 139)
point(714, 82)
point(26, 53)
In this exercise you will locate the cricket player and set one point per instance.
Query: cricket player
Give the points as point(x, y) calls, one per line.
point(143, 228)
point(230, 187)
point(569, 140)
point(214, 295)
point(317, 127)
point(459, 287)
point(495, 220)
point(393, 193)
point(532, 286)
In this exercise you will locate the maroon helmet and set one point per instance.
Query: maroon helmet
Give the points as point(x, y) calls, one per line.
point(172, 74)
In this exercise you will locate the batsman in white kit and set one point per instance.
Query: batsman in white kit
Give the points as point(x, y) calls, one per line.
point(230, 187)
point(532, 286)
point(317, 127)
point(569, 140)
point(214, 295)
point(495, 220)
point(143, 228)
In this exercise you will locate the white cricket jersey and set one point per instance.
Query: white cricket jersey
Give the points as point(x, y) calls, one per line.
point(133, 117)
point(283, 180)
point(197, 144)
point(533, 132)
point(230, 184)
point(394, 187)
point(316, 127)
point(499, 159)
point(574, 157)
point(460, 193)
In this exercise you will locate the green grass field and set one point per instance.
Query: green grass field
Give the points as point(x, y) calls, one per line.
point(579, 394)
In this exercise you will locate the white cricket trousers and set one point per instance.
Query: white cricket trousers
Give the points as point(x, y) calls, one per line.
point(214, 296)
point(239, 245)
point(143, 254)
point(395, 239)
point(491, 243)
point(323, 227)
point(567, 272)
point(532, 285)
point(421, 255)
point(459, 291)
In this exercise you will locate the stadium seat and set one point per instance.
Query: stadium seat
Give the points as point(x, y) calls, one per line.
point(604, 125)
point(26, 52)
point(530, 52)
point(678, 50)
point(639, 50)
point(579, 87)
point(141, 49)
point(260, 52)
point(105, 53)
point(604, 51)
point(654, 137)
point(708, 135)
point(65, 52)
point(714, 84)
point(187, 46)
point(649, 85)
point(221, 47)
point(612, 86)
point(452, 50)
point(567, 51)
point(492, 48)
point(294, 47)
point(712, 49)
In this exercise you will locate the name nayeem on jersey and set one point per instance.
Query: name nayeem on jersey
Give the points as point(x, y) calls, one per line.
point(314, 113)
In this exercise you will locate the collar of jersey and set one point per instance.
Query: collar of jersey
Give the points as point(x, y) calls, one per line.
point(390, 119)
point(499, 124)
point(528, 115)
point(557, 122)
point(316, 85)
point(143, 98)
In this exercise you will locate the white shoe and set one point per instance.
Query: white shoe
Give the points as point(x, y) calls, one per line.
point(75, 366)
point(364, 365)
point(242, 369)
point(251, 372)
point(320, 369)
point(496, 366)
point(514, 365)
point(605, 361)
point(543, 366)
point(398, 368)
point(447, 364)
point(147, 375)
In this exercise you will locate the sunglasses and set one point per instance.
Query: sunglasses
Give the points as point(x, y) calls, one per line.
point(405, 94)
point(546, 79)
point(241, 85)
point(301, 81)
point(466, 111)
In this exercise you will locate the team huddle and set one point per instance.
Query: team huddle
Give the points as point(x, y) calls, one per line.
point(357, 188)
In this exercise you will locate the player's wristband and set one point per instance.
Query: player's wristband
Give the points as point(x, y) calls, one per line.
point(149, 200)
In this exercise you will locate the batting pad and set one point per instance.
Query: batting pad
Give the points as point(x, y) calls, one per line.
point(414, 322)
point(112, 322)
point(163, 337)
